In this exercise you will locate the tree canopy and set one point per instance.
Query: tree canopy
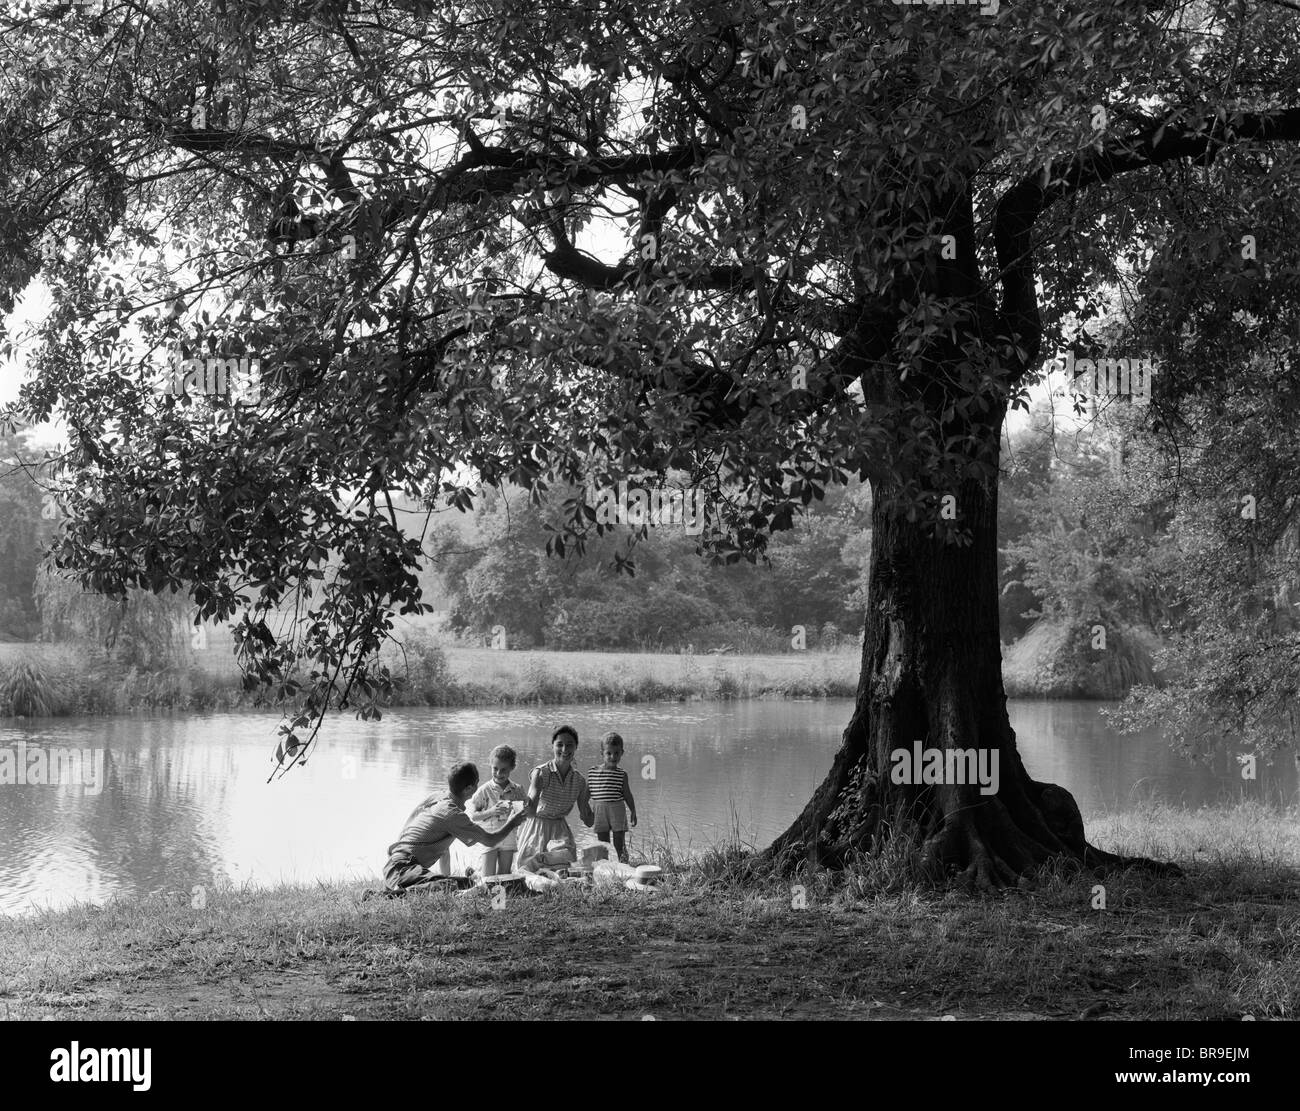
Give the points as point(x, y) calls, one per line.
point(759, 246)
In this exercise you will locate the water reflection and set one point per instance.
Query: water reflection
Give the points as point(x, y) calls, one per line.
point(186, 799)
point(1067, 743)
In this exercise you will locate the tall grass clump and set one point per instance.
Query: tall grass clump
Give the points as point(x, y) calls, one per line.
point(138, 689)
point(541, 684)
point(724, 684)
point(650, 688)
point(28, 690)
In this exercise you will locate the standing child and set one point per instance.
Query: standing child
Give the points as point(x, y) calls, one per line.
point(608, 784)
point(490, 808)
point(554, 788)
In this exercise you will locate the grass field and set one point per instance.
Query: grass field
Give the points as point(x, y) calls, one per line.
point(471, 676)
point(722, 939)
point(455, 676)
point(618, 673)
point(487, 668)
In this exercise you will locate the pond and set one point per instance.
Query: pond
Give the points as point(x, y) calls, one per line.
point(184, 799)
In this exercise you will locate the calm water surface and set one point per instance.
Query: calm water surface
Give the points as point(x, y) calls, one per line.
point(185, 799)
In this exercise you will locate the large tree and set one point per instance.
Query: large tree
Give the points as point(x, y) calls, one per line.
point(768, 245)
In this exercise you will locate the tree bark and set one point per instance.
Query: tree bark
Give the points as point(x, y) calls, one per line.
point(932, 672)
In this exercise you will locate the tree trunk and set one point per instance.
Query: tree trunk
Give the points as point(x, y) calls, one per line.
point(932, 672)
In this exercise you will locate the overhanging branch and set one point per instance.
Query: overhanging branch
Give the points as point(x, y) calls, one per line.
point(573, 265)
point(1022, 204)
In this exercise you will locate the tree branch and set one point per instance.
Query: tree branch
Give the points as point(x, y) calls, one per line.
point(573, 265)
point(1024, 202)
point(495, 172)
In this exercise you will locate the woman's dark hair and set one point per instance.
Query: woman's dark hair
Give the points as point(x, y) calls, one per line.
point(565, 729)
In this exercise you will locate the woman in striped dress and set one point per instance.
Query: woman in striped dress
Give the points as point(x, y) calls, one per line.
point(555, 786)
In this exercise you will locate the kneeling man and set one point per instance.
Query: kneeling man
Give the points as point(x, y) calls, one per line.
point(427, 837)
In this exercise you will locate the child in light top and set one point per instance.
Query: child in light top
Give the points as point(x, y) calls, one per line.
point(611, 796)
point(491, 805)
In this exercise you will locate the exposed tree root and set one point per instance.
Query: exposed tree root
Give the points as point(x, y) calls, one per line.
point(984, 843)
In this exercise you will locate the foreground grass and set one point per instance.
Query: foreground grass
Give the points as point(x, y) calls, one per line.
point(721, 940)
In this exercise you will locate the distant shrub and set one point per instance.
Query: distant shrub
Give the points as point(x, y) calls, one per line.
point(661, 620)
point(27, 690)
point(420, 666)
point(1088, 672)
point(151, 690)
point(1057, 660)
point(540, 684)
point(16, 623)
point(651, 689)
point(740, 637)
point(723, 684)
point(831, 638)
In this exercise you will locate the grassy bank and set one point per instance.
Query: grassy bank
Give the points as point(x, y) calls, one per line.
point(68, 682)
point(721, 940)
point(482, 675)
point(1045, 663)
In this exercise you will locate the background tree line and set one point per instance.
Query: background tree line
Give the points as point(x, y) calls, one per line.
point(492, 569)
point(1098, 527)
point(38, 603)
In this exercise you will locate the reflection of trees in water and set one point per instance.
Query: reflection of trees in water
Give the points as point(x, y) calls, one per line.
point(759, 760)
point(1066, 742)
point(164, 823)
point(426, 753)
point(372, 749)
point(417, 758)
point(156, 823)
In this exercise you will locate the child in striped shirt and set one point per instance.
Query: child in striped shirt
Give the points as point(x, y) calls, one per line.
point(608, 784)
